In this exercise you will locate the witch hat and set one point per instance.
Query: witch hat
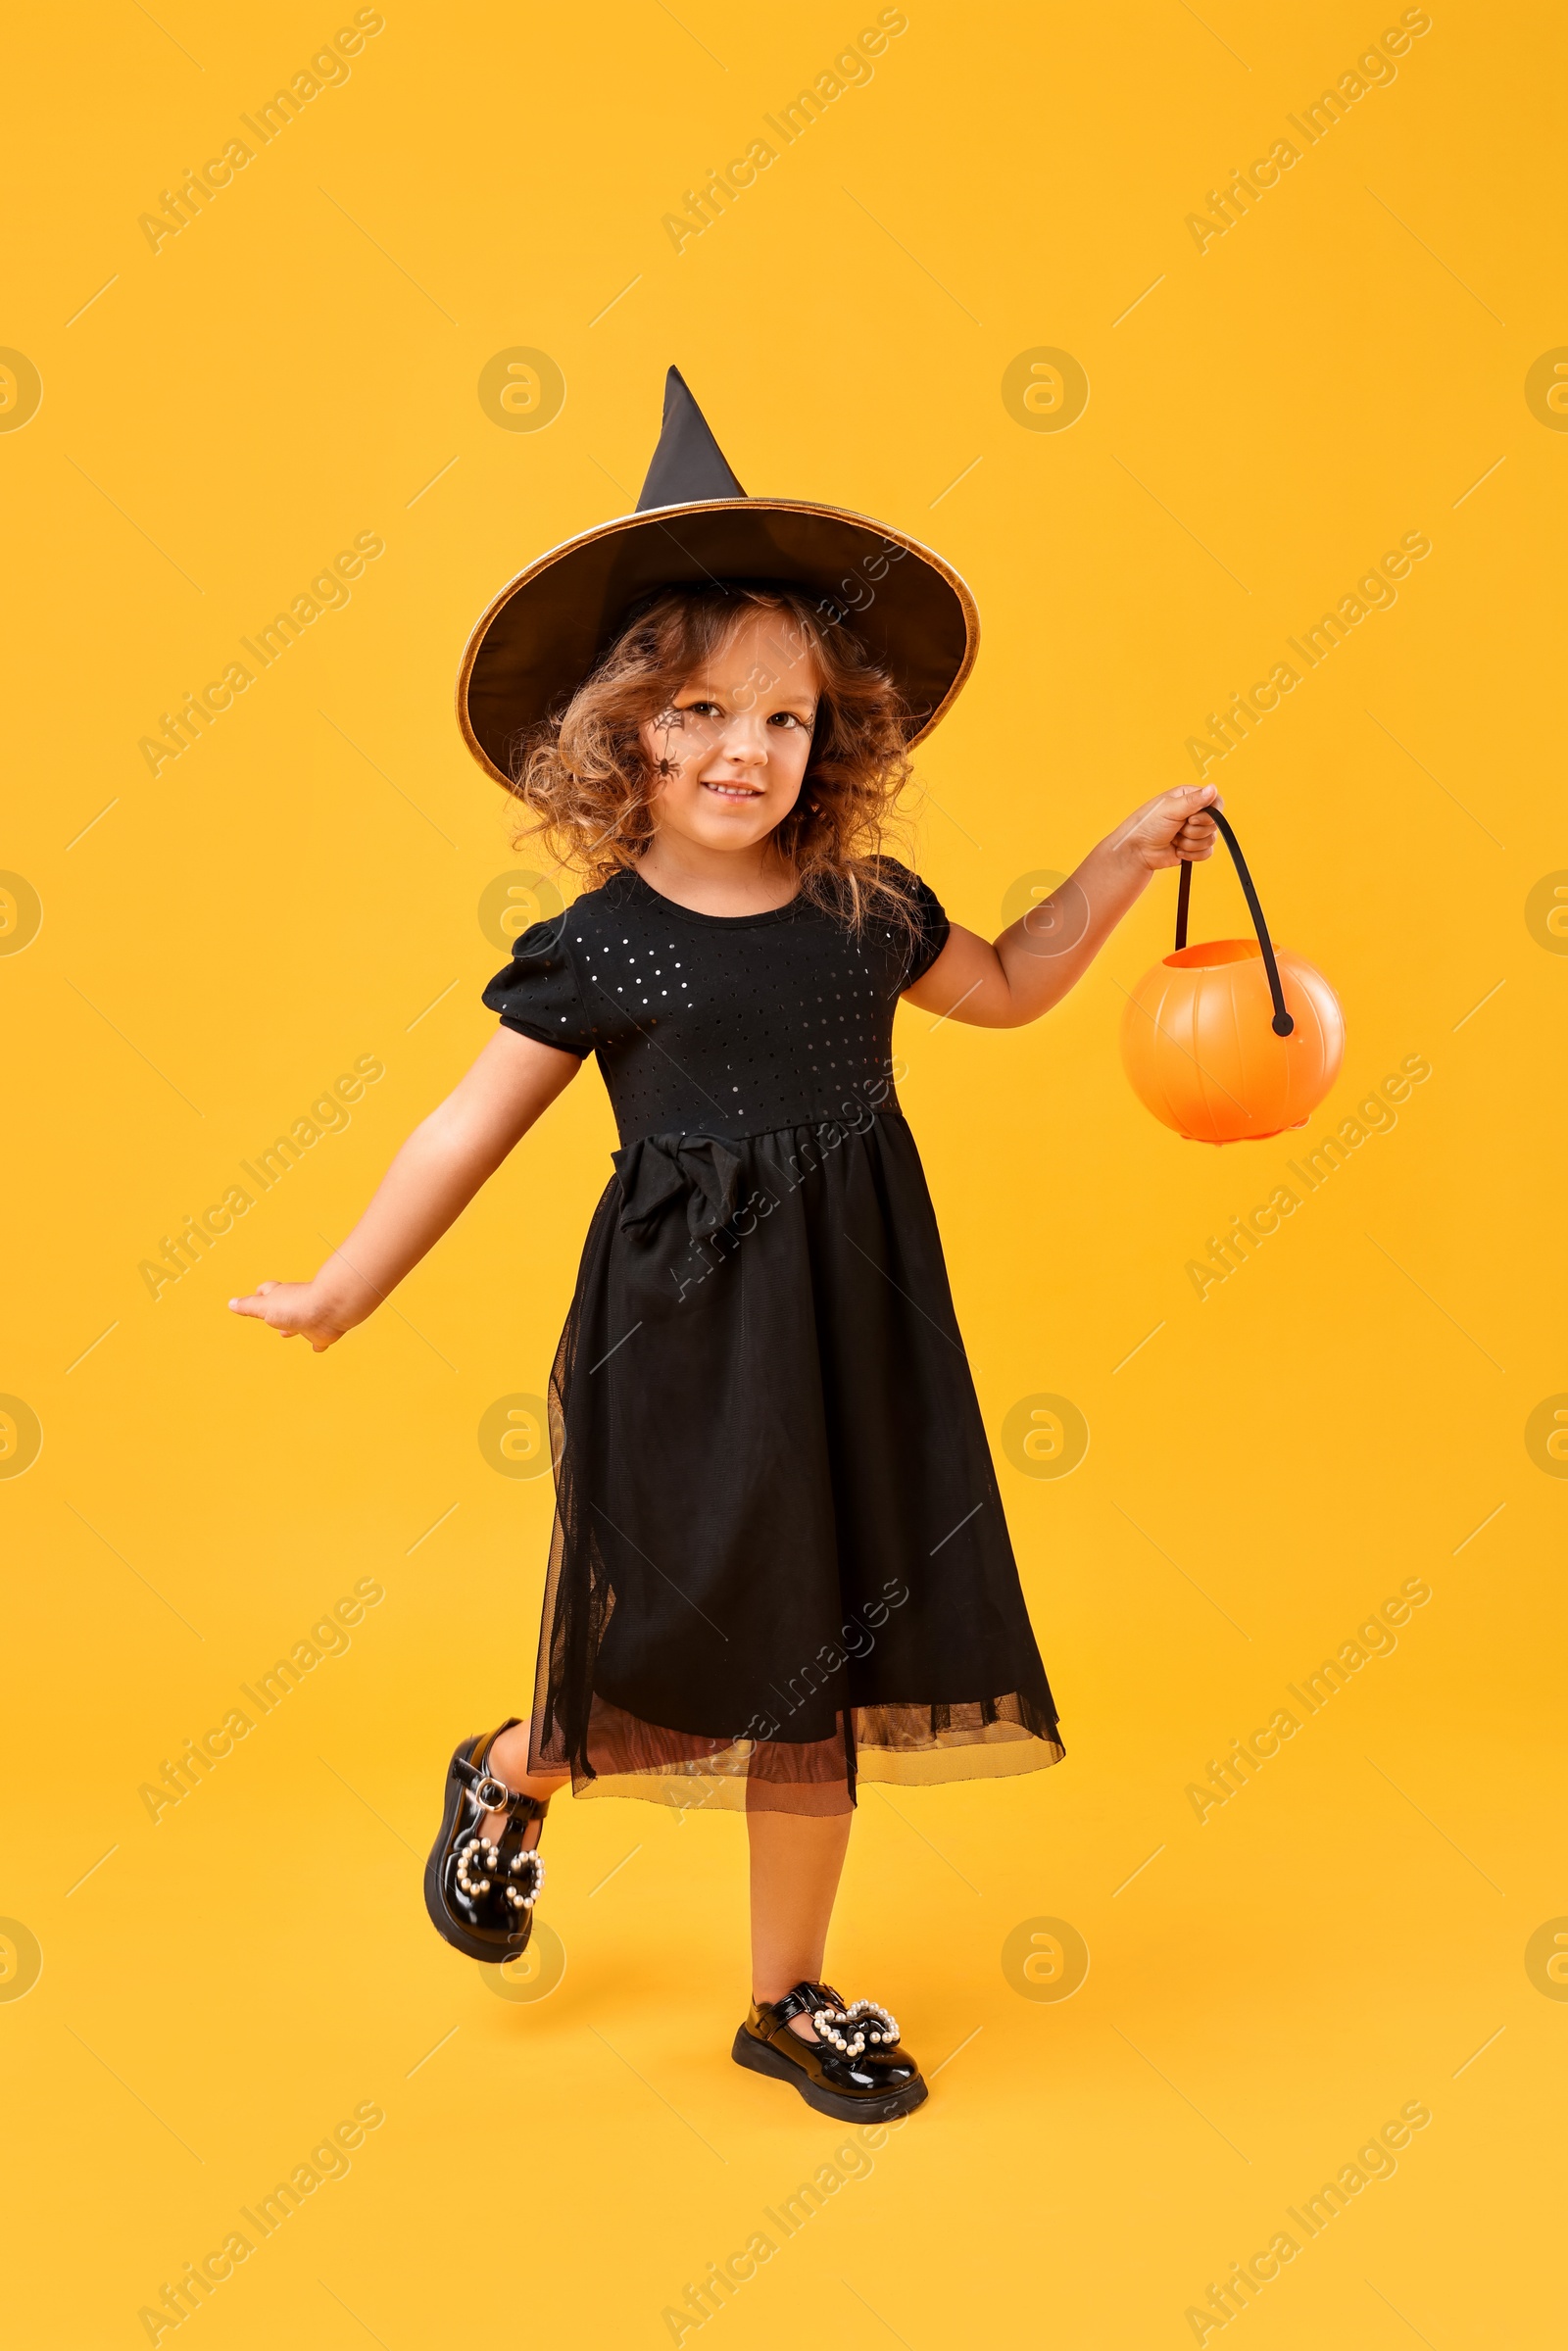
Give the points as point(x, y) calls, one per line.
point(694, 524)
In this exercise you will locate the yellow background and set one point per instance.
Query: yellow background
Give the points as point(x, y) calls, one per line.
point(302, 888)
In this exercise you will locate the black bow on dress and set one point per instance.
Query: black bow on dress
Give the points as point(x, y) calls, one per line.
point(659, 1168)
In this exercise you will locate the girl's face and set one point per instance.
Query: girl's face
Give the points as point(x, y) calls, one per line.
point(730, 751)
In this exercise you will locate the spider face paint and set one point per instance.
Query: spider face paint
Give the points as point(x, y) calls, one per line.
point(725, 753)
point(668, 722)
point(683, 736)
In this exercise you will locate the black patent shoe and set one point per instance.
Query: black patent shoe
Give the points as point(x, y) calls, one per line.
point(855, 2070)
point(480, 1892)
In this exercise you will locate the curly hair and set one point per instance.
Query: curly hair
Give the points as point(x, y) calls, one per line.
point(590, 784)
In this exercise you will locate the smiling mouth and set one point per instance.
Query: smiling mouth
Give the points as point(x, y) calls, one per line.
point(734, 791)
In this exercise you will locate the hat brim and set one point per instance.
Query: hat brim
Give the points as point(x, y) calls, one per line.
point(549, 627)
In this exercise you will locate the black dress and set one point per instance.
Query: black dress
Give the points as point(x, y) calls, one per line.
point(779, 1560)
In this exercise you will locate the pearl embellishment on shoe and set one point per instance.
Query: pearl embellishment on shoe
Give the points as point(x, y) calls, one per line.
point(473, 1886)
point(849, 2029)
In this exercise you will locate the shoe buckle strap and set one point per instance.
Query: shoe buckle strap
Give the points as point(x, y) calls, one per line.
point(805, 1999)
point(494, 1795)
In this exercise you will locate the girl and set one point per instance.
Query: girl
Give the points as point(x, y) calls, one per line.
point(779, 1560)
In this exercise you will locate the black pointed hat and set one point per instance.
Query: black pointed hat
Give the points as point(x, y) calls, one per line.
point(694, 524)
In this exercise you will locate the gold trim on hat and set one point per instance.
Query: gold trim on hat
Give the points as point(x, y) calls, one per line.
point(649, 516)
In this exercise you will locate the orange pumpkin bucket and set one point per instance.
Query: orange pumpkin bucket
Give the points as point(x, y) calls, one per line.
point(1235, 1040)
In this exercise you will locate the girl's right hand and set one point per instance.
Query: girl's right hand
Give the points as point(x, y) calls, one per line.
point(426, 1188)
point(296, 1310)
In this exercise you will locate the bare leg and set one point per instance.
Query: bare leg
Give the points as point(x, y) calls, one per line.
point(508, 1760)
point(795, 1861)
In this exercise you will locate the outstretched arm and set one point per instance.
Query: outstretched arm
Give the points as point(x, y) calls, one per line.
point(431, 1181)
point(1032, 965)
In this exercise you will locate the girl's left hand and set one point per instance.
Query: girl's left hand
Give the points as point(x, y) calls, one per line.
point(1172, 829)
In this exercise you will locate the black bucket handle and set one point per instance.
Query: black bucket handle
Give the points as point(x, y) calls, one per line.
point(1282, 1022)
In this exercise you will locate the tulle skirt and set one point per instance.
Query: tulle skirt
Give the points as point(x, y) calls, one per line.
point(779, 1561)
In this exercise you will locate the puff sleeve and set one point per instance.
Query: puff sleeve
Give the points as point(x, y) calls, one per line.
point(932, 924)
point(537, 993)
